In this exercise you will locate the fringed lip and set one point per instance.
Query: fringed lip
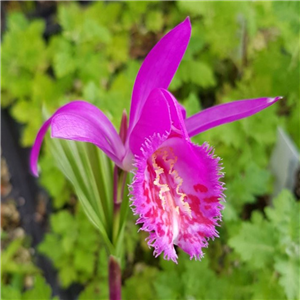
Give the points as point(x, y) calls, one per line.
point(177, 192)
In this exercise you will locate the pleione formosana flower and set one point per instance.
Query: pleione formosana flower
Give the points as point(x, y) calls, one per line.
point(176, 190)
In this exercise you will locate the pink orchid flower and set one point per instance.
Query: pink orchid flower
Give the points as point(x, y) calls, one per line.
point(176, 189)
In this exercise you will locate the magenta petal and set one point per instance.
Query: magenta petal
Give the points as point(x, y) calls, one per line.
point(225, 113)
point(177, 114)
point(182, 110)
point(154, 119)
point(37, 146)
point(159, 67)
point(177, 192)
point(81, 121)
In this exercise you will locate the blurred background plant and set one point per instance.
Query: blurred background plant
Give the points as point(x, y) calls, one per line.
point(56, 52)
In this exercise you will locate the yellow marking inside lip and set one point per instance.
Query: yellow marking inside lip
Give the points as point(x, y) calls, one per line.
point(166, 154)
point(163, 188)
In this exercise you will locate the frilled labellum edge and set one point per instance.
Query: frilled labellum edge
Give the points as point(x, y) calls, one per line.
point(177, 192)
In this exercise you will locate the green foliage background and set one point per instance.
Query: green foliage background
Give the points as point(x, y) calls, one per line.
point(238, 50)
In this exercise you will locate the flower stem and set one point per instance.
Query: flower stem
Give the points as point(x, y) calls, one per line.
point(114, 277)
point(119, 182)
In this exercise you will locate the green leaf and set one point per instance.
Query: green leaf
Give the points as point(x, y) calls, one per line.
point(84, 261)
point(285, 218)
point(92, 93)
point(41, 290)
point(244, 188)
point(51, 247)
point(256, 179)
point(67, 274)
point(69, 17)
point(230, 134)
point(195, 287)
point(46, 91)
point(68, 243)
point(54, 181)
point(87, 237)
point(118, 49)
point(154, 20)
point(16, 22)
point(62, 222)
point(84, 60)
point(266, 286)
point(176, 82)
point(255, 242)
point(10, 251)
point(223, 32)
point(75, 244)
point(192, 105)
point(289, 280)
point(197, 72)
point(32, 58)
point(106, 13)
point(293, 122)
point(168, 286)
point(196, 43)
point(262, 127)
point(92, 31)
point(97, 289)
point(230, 213)
point(23, 112)
point(140, 286)
point(133, 15)
point(102, 266)
point(189, 7)
point(64, 63)
point(10, 293)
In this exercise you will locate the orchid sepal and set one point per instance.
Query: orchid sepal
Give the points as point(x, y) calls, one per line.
point(80, 121)
point(226, 113)
point(159, 67)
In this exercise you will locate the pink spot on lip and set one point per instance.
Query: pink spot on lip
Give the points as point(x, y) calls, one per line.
point(195, 207)
point(200, 188)
point(148, 214)
point(160, 231)
point(194, 203)
point(211, 199)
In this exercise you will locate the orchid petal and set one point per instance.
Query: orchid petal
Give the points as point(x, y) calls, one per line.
point(182, 110)
point(159, 67)
point(80, 121)
point(177, 114)
point(154, 119)
point(225, 113)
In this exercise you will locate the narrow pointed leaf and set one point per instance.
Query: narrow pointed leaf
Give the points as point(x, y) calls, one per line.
point(75, 162)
